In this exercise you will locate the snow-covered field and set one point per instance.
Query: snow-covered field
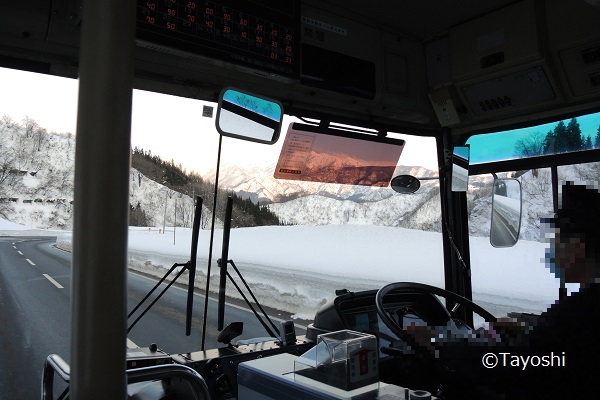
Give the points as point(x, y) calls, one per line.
point(297, 268)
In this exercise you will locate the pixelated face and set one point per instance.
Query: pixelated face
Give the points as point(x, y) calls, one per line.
point(565, 256)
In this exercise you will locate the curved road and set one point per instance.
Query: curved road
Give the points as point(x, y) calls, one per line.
point(35, 298)
point(502, 234)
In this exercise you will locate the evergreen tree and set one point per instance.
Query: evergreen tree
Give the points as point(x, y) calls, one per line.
point(564, 138)
point(560, 137)
point(172, 175)
point(574, 140)
point(588, 143)
point(598, 139)
point(549, 146)
point(137, 216)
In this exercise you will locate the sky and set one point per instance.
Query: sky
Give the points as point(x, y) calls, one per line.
point(169, 126)
point(494, 147)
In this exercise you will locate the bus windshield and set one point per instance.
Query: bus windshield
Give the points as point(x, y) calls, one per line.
point(294, 242)
point(201, 198)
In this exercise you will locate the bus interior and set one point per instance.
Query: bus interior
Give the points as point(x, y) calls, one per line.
point(485, 85)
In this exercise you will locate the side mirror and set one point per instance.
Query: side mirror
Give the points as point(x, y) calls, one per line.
point(506, 213)
point(460, 169)
point(249, 117)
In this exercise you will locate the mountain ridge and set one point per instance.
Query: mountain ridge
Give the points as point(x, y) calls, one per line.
point(36, 189)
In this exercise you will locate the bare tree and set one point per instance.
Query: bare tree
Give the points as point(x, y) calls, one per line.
point(589, 172)
point(8, 165)
point(30, 125)
point(532, 145)
point(40, 136)
point(7, 123)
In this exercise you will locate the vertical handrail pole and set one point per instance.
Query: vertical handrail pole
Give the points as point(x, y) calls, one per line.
point(210, 244)
point(101, 201)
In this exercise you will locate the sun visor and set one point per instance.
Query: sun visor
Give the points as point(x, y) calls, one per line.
point(314, 154)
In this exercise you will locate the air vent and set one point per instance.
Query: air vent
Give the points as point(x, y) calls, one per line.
point(591, 56)
point(509, 93)
point(581, 69)
point(495, 103)
point(152, 47)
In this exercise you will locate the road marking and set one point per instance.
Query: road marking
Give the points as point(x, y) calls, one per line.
point(14, 247)
point(131, 345)
point(29, 261)
point(19, 252)
point(58, 285)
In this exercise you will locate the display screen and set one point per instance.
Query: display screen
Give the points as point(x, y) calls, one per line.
point(338, 72)
point(248, 33)
point(363, 321)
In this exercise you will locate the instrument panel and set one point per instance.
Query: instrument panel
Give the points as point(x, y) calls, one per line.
point(219, 367)
point(358, 312)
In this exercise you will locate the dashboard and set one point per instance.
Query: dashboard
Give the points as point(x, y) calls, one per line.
point(369, 321)
point(353, 311)
point(357, 312)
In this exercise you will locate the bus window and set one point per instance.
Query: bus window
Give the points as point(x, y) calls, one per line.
point(565, 136)
point(517, 267)
point(502, 277)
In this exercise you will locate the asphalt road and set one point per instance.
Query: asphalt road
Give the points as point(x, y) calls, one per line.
point(502, 235)
point(35, 312)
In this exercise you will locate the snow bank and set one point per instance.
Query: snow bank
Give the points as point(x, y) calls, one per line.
point(298, 268)
point(8, 228)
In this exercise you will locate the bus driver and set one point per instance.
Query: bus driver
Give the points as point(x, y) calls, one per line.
point(557, 355)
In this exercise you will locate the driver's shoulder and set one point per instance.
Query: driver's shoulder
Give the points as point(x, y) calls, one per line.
point(576, 308)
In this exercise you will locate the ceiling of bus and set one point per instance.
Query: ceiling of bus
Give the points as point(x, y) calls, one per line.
point(419, 19)
point(400, 41)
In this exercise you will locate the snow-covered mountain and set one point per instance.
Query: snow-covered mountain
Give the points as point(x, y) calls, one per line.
point(313, 203)
point(390, 210)
point(36, 175)
point(36, 182)
point(308, 203)
point(257, 183)
point(36, 189)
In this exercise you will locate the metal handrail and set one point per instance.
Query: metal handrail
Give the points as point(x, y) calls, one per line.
point(55, 364)
point(171, 371)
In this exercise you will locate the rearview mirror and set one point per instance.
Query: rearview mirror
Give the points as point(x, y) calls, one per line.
point(506, 213)
point(405, 184)
point(249, 117)
point(460, 169)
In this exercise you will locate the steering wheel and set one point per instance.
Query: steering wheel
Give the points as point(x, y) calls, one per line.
point(422, 288)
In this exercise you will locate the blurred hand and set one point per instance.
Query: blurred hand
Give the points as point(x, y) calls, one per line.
point(421, 334)
point(509, 327)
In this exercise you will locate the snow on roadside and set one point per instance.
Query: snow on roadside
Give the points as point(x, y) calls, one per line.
point(298, 268)
point(8, 228)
